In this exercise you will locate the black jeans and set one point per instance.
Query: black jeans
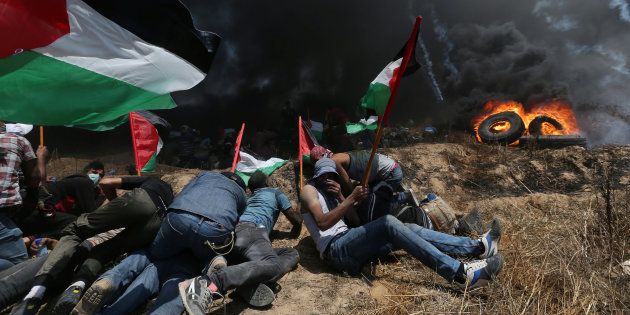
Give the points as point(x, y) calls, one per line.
point(134, 211)
point(262, 263)
point(15, 281)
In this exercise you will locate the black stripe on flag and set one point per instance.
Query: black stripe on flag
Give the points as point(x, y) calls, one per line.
point(164, 23)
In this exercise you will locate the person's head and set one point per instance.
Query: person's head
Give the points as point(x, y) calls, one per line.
point(95, 170)
point(235, 178)
point(325, 169)
point(319, 152)
point(258, 180)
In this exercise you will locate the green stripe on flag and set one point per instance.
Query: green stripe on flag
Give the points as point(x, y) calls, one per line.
point(268, 170)
point(44, 91)
point(376, 98)
point(150, 166)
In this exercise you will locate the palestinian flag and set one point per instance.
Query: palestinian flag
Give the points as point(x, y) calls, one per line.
point(146, 142)
point(383, 89)
point(248, 164)
point(363, 124)
point(307, 141)
point(91, 62)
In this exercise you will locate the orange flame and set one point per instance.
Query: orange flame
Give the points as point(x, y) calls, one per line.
point(559, 110)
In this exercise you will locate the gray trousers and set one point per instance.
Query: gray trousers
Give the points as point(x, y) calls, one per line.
point(135, 211)
point(262, 264)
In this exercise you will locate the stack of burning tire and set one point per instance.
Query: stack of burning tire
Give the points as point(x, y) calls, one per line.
point(544, 126)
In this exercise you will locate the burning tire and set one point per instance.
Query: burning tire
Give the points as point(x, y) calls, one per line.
point(537, 125)
point(502, 128)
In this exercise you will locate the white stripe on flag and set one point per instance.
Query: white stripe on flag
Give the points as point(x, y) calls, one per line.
point(249, 164)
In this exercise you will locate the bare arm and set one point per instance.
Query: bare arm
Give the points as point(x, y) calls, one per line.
point(42, 159)
point(346, 181)
point(295, 218)
point(310, 204)
point(109, 185)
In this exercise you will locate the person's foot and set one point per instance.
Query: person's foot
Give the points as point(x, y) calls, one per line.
point(216, 264)
point(95, 297)
point(491, 240)
point(68, 300)
point(259, 295)
point(196, 295)
point(480, 273)
point(27, 306)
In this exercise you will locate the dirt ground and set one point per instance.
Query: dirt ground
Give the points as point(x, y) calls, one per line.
point(565, 222)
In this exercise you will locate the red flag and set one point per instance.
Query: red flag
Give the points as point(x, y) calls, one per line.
point(145, 139)
point(400, 72)
point(237, 148)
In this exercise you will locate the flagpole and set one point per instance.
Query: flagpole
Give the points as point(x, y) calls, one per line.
point(300, 131)
point(41, 136)
point(383, 120)
point(237, 147)
point(133, 141)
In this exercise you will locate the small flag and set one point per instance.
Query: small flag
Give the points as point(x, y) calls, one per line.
point(306, 141)
point(146, 142)
point(384, 87)
point(363, 124)
point(248, 164)
point(74, 62)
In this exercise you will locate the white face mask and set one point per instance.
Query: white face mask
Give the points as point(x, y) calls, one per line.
point(95, 178)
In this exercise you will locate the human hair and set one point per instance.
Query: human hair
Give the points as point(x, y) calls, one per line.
point(258, 180)
point(96, 164)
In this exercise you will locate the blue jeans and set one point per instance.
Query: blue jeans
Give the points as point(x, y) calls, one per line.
point(136, 279)
point(12, 248)
point(349, 252)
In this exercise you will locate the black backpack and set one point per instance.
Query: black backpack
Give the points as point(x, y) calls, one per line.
point(380, 202)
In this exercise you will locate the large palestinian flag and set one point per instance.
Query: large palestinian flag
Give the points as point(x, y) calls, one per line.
point(248, 164)
point(384, 87)
point(73, 62)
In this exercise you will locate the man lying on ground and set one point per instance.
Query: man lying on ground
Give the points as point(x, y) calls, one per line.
point(348, 249)
point(263, 263)
point(139, 211)
point(200, 221)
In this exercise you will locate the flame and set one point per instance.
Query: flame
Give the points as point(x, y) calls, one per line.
point(559, 110)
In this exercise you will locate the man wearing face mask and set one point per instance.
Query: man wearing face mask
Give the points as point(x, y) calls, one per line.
point(139, 211)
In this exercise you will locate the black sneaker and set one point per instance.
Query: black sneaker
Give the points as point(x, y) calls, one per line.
point(195, 295)
point(27, 307)
point(480, 273)
point(95, 297)
point(68, 300)
point(491, 240)
point(259, 295)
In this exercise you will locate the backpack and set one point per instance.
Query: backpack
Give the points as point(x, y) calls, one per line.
point(380, 202)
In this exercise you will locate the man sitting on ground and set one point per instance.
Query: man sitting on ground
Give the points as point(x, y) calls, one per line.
point(348, 249)
point(139, 211)
point(263, 263)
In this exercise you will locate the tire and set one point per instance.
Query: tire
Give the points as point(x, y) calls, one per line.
point(535, 126)
point(513, 133)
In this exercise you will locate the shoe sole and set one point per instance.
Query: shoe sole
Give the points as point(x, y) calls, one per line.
point(258, 296)
point(63, 308)
point(92, 301)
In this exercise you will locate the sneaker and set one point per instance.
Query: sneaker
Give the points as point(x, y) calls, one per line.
point(216, 264)
point(27, 307)
point(491, 240)
point(195, 295)
point(480, 273)
point(259, 295)
point(68, 300)
point(95, 297)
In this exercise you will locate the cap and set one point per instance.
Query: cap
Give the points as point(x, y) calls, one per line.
point(325, 165)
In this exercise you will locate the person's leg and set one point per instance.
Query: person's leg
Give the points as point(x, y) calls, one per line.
point(173, 236)
point(350, 253)
point(113, 282)
point(12, 246)
point(449, 244)
point(15, 281)
point(5, 264)
point(288, 258)
point(208, 239)
point(143, 287)
point(172, 272)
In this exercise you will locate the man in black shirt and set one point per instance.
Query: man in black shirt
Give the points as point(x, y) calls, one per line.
point(139, 211)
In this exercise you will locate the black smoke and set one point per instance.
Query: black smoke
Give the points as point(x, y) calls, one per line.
point(318, 54)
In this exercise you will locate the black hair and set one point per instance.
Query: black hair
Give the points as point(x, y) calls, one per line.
point(235, 178)
point(258, 180)
point(96, 164)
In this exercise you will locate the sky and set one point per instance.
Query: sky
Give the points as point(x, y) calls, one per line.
point(313, 55)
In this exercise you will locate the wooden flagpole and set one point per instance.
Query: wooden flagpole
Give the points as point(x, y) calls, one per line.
point(41, 136)
point(237, 147)
point(300, 133)
point(383, 120)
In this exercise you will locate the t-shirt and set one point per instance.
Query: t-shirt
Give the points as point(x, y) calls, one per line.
point(381, 166)
point(264, 206)
point(75, 194)
point(160, 192)
point(213, 196)
point(14, 150)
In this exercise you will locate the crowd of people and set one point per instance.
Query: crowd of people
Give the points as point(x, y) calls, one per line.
point(111, 243)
